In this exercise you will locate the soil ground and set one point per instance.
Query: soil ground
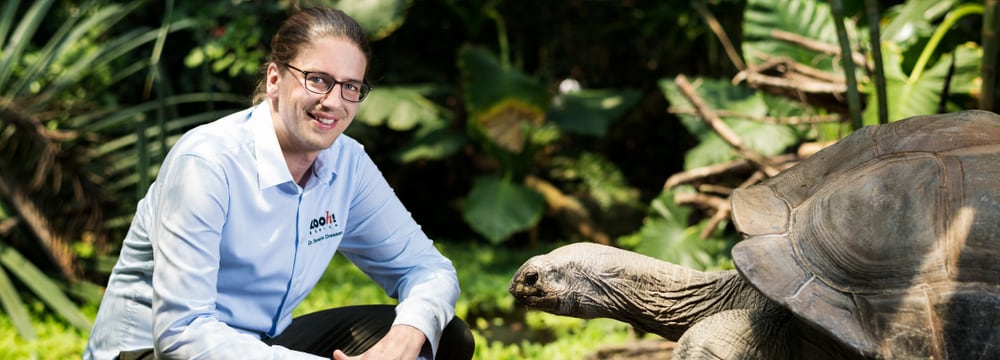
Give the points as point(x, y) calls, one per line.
point(637, 350)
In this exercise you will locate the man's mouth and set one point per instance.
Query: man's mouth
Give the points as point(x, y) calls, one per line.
point(322, 119)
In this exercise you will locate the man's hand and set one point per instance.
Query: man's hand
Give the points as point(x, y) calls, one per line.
point(402, 342)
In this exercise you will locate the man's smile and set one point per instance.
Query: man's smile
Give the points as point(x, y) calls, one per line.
point(323, 118)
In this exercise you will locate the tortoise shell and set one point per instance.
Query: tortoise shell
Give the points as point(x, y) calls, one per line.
point(888, 240)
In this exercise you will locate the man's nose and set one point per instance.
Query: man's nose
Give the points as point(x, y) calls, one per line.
point(332, 98)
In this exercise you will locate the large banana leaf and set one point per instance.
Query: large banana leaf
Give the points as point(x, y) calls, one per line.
point(503, 104)
point(497, 208)
point(379, 18)
point(912, 21)
point(591, 111)
point(407, 108)
point(486, 82)
point(916, 86)
point(910, 96)
point(434, 144)
point(402, 108)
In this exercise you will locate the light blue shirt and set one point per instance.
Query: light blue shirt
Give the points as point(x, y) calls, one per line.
point(225, 245)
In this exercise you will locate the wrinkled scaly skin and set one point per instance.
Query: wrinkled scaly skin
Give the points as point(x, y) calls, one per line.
point(711, 315)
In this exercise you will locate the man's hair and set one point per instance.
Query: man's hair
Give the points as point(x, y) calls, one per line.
point(303, 27)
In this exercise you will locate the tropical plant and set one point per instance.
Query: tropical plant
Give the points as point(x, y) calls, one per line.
point(509, 117)
point(796, 89)
point(76, 153)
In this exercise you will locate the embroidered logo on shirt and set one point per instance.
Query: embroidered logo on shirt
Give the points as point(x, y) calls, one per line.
point(322, 224)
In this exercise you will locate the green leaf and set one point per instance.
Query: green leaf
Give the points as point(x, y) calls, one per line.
point(497, 208)
point(504, 105)
point(765, 139)
point(401, 108)
point(665, 235)
point(434, 145)
point(379, 18)
point(43, 287)
point(591, 111)
point(968, 62)
point(14, 307)
point(60, 45)
point(486, 83)
point(107, 53)
point(15, 45)
point(717, 94)
point(809, 18)
point(922, 95)
point(116, 117)
point(7, 20)
point(913, 20)
point(195, 58)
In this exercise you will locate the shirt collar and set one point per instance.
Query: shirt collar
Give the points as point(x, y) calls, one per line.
point(271, 166)
point(323, 168)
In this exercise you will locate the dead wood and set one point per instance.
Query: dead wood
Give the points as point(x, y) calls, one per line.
point(728, 135)
point(787, 120)
point(818, 46)
point(636, 350)
point(52, 242)
point(568, 210)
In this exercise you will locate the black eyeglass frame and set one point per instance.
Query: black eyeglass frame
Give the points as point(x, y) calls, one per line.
point(363, 90)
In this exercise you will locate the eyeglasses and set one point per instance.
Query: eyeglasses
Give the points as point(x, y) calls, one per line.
point(322, 83)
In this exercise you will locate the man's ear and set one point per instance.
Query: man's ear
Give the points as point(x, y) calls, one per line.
point(271, 77)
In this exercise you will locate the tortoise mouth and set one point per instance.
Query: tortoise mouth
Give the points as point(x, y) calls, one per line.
point(527, 290)
point(524, 286)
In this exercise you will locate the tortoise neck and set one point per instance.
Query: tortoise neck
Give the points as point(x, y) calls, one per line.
point(666, 299)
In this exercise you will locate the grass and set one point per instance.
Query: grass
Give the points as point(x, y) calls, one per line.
point(502, 329)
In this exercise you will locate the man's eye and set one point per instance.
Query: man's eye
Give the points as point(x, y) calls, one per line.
point(318, 80)
point(349, 86)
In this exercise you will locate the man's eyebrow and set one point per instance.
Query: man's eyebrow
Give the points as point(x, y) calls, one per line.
point(324, 73)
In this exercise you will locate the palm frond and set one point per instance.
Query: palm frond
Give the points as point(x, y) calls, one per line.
point(43, 287)
point(21, 38)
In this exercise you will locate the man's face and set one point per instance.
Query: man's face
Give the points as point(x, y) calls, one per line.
point(306, 122)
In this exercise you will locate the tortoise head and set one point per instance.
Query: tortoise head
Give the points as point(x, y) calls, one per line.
point(588, 280)
point(561, 282)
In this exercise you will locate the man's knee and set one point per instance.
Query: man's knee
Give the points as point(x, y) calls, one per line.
point(457, 342)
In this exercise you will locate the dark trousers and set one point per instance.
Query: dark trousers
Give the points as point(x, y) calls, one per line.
point(353, 330)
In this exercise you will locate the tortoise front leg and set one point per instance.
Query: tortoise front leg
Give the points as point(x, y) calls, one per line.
point(737, 334)
point(771, 333)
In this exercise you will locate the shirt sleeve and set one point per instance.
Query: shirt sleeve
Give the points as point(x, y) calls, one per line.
point(192, 202)
point(384, 241)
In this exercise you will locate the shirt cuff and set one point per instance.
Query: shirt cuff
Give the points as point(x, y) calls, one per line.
point(425, 320)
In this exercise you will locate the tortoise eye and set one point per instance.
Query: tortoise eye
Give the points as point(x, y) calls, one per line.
point(531, 278)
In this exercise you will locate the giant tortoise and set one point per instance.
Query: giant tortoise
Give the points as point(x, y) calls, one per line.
point(885, 245)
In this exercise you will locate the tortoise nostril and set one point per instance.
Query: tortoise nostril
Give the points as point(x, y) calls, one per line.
point(530, 278)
